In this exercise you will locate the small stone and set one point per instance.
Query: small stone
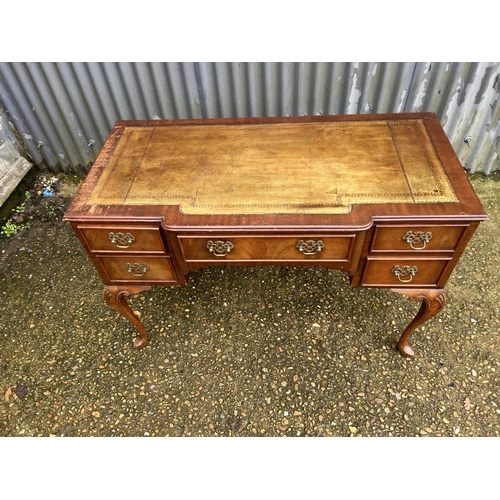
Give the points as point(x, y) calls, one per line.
point(96, 414)
point(21, 391)
point(353, 430)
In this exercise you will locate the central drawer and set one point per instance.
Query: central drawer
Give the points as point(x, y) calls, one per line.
point(221, 247)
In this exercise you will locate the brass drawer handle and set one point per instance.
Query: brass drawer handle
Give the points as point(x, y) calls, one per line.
point(310, 247)
point(417, 237)
point(404, 271)
point(121, 240)
point(137, 268)
point(220, 248)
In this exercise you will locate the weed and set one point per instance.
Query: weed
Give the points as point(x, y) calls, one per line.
point(10, 229)
point(20, 209)
point(51, 210)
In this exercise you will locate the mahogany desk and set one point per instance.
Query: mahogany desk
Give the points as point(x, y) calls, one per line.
point(382, 198)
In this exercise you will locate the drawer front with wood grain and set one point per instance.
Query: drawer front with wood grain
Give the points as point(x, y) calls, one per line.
point(126, 238)
point(416, 238)
point(404, 272)
point(138, 268)
point(266, 248)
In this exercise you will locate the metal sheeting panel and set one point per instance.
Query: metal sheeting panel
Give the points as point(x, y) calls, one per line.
point(63, 112)
point(466, 98)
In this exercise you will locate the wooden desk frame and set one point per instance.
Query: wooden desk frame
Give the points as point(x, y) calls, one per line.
point(139, 234)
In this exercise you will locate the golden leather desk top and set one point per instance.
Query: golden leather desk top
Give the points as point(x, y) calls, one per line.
point(280, 168)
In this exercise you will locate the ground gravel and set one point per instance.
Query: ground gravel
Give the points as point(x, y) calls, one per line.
point(243, 351)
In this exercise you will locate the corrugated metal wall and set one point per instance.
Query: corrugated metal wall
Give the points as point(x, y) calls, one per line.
point(63, 112)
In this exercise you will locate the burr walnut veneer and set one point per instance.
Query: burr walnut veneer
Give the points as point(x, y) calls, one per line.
point(382, 198)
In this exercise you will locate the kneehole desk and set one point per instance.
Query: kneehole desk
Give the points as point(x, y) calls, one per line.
point(382, 198)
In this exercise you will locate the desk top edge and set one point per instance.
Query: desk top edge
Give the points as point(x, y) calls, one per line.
point(469, 203)
point(261, 120)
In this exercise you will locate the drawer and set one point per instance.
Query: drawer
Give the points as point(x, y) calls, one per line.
point(404, 272)
point(267, 248)
point(135, 268)
point(416, 238)
point(123, 238)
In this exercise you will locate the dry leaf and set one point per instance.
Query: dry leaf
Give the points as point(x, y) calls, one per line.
point(8, 393)
point(467, 404)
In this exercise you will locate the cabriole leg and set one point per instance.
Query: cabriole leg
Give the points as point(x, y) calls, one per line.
point(116, 297)
point(433, 302)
